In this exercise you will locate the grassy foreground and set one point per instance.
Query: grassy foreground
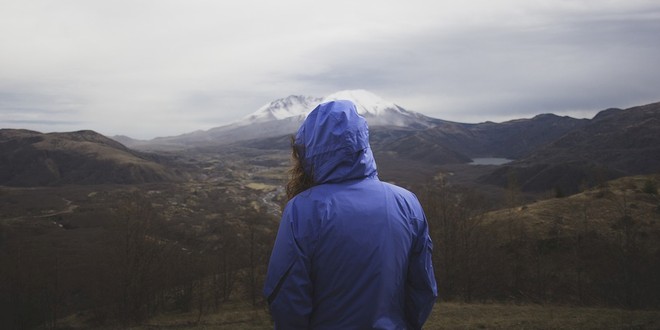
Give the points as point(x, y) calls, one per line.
point(446, 316)
point(503, 316)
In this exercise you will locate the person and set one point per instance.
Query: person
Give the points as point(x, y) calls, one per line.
point(351, 252)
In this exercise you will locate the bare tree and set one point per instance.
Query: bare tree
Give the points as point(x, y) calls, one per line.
point(455, 222)
point(135, 260)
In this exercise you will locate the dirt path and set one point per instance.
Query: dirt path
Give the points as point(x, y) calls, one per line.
point(69, 208)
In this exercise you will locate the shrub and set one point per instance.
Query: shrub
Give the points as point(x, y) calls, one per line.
point(650, 187)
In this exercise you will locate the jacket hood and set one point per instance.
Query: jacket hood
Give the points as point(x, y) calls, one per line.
point(333, 142)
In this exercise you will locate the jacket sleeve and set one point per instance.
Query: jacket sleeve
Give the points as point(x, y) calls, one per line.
point(288, 285)
point(421, 288)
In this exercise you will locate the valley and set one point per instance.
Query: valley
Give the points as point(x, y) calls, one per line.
point(77, 245)
point(548, 210)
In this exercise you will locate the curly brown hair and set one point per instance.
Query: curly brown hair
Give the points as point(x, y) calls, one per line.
point(299, 180)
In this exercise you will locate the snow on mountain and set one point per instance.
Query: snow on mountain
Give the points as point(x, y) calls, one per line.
point(379, 112)
point(291, 106)
point(367, 103)
point(375, 109)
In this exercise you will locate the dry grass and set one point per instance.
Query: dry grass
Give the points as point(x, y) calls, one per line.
point(505, 316)
point(231, 317)
point(598, 208)
point(445, 316)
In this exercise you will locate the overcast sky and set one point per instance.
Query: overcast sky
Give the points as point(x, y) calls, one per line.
point(147, 68)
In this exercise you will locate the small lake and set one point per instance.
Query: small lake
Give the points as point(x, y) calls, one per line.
point(490, 161)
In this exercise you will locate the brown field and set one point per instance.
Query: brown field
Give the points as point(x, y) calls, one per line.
point(446, 315)
point(504, 316)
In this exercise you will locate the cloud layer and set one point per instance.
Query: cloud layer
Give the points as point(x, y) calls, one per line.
point(153, 67)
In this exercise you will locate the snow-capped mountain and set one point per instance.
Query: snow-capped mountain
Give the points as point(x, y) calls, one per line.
point(379, 112)
point(284, 116)
point(291, 106)
point(375, 109)
point(368, 104)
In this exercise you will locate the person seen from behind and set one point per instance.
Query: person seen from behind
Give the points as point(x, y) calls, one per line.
point(352, 252)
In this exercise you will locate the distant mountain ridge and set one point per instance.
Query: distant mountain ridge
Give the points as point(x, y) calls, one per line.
point(29, 158)
point(549, 151)
point(613, 144)
point(454, 143)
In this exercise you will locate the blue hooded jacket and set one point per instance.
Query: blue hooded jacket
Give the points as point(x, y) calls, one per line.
point(352, 252)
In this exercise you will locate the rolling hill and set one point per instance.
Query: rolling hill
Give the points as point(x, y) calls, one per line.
point(29, 158)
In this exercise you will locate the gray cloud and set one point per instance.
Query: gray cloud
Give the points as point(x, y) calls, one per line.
point(170, 67)
point(43, 122)
point(576, 64)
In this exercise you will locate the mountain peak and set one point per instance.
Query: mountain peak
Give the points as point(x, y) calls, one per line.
point(290, 106)
point(367, 103)
point(295, 108)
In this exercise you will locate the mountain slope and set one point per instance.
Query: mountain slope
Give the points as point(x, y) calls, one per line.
point(614, 143)
point(29, 158)
point(456, 143)
point(590, 245)
point(625, 140)
point(511, 139)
